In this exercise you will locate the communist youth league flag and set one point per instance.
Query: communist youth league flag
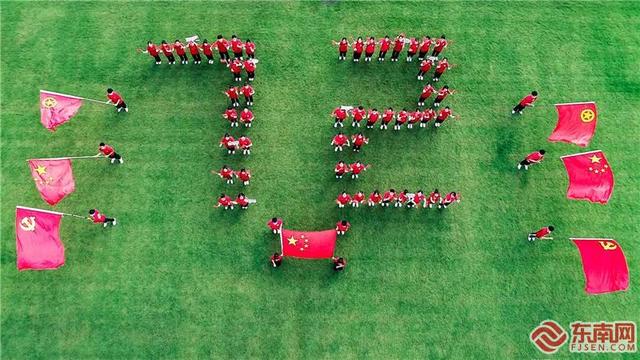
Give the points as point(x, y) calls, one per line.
point(590, 176)
point(308, 244)
point(38, 244)
point(576, 123)
point(56, 109)
point(605, 267)
point(53, 177)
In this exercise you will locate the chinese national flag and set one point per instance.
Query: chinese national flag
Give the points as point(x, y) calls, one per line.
point(38, 244)
point(308, 244)
point(576, 123)
point(54, 179)
point(605, 267)
point(590, 176)
point(56, 109)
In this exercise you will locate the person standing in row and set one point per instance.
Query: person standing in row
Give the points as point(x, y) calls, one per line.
point(427, 115)
point(358, 140)
point(340, 169)
point(179, 48)
point(426, 93)
point(248, 92)
point(226, 173)
point(167, 50)
point(232, 94)
point(449, 199)
point(236, 69)
point(385, 43)
point(388, 197)
point(442, 94)
point(223, 49)
point(358, 47)
point(424, 47)
point(357, 199)
point(343, 47)
point(397, 47)
point(441, 43)
point(249, 66)
point(229, 143)
point(443, 66)
point(372, 118)
point(356, 168)
point(375, 198)
point(358, 114)
point(414, 118)
point(207, 50)
point(244, 176)
point(250, 49)
point(117, 100)
point(387, 117)
point(275, 225)
point(425, 66)
point(343, 199)
point(236, 47)
point(339, 115)
point(225, 201)
point(339, 141)
point(245, 144)
point(413, 49)
point(242, 201)
point(152, 50)
point(194, 50)
point(246, 116)
point(342, 227)
point(443, 115)
point(232, 115)
point(401, 119)
point(108, 152)
point(434, 199)
point(370, 48)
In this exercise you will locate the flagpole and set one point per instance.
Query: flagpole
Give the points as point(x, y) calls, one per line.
point(73, 96)
point(98, 101)
point(76, 216)
point(70, 157)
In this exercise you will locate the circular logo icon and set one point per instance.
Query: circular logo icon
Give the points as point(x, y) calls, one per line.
point(28, 223)
point(587, 115)
point(548, 337)
point(49, 102)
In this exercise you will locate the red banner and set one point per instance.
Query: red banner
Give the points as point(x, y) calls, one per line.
point(308, 244)
point(576, 123)
point(56, 109)
point(604, 264)
point(38, 244)
point(590, 176)
point(53, 178)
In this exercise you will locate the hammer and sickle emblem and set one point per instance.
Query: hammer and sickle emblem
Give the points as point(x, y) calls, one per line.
point(49, 102)
point(608, 245)
point(28, 223)
point(587, 115)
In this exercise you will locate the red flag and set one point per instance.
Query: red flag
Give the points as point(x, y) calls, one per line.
point(53, 177)
point(605, 267)
point(38, 244)
point(307, 244)
point(590, 176)
point(56, 109)
point(576, 123)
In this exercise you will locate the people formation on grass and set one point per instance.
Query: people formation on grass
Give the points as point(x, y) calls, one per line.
point(369, 45)
point(403, 118)
point(222, 45)
point(391, 198)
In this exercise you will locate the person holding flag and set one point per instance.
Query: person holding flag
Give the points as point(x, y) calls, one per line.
point(245, 144)
point(179, 48)
point(98, 218)
point(153, 51)
point(115, 99)
point(526, 101)
point(541, 234)
point(338, 263)
point(342, 227)
point(194, 50)
point(276, 260)
point(275, 225)
point(207, 50)
point(535, 157)
point(108, 152)
point(167, 50)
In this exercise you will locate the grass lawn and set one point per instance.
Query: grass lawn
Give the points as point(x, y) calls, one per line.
point(179, 279)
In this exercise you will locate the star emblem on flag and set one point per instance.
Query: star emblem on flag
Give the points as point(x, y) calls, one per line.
point(41, 169)
point(292, 241)
point(49, 102)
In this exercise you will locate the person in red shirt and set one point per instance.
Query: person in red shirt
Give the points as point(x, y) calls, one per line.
point(275, 225)
point(179, 48)
point(245, 144)
point(413, 49)
point(207, 50)
point(402, 118)
point(358, 140)
point(167, 50)
point(343, 47)
point(338, 263)
point(232, 115)
point(397, 47)
point(425, 66)
point(369, 49)
point(384, 47)
point(358, 198)
point(108, 152)
point(427, 115)
point(244, 175)
point(339, 141)
point(223, 49)
point(226, 173)
point(526, 101)
point(414, 118)
point(229, 143)
point(418, 199)
point(449, 199)
point(442, 94)
point(424, 47)
point(248, 92)
point(247, 117)
point(339, 114)
point(402, 198)
point(153, 51)
point(387, 117)
point(372, 118)
point(541, 234)
point(443, 115)
point(343, 199)
point(98, 218)
point(242, 201)
point(117, 100)
point(426, 93)
point(443, 65)
point(342, 227)
point(375, 198)
point(358, 47)
point(194, 50)
point(535, 157)
point(250, 49)
point(276, 260)
point(236, 46)
point(358, 114)
point(233, 95)
point(225, 201)
point(388, 197)
point(340, 169)
point(250, 67)
point(440, 45)
point(434, 199)
point(236, 69)
point(356, 168)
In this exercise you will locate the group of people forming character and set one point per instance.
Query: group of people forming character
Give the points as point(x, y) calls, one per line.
point(417, 118)
point(399, 199)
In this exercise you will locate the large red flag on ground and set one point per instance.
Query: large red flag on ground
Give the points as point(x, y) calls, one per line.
point(576, 123)
point(590, 176)
point(605, 267)
point(53, 177)
point(308, 244)
point(56, 109)
point(38, 244)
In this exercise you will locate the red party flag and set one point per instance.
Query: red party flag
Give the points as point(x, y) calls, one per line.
point(53, 177)
point(38, 244)
point(604, 264)
point(576, 123)
point(590, 176)
point(308, 244)
point(56, 109)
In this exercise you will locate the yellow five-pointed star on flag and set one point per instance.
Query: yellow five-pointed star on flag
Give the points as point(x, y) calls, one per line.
point(292, 241)
point(595, 159)
point(41, 169)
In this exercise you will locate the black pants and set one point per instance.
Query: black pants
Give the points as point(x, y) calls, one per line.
point(251, 56)
point(343, 54)
point(157, 57)
point(249, 98)
point(518, 108)
point(421, 73)
point(171, 59)
point(196, 57)
point(382, 54)
point(237, 54)
point(357, 148)
point(411, 54)
point(224, 55)
point(437, 75)
point(368, 55)
point(251, 75)
point(109, 220)
point(356, 55)
point(183, 57)
point(209, 56)
point(115, 155)
point(525, 162)
point(421, 55)
point(394, 54)
point(121, 105)
point(234, 102)
point(236, 76)
point(435, 52)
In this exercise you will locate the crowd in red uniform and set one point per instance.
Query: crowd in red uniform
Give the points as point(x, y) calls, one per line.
point(398, 199)
point(221, 45)
point(370, 45)
point(418, 118)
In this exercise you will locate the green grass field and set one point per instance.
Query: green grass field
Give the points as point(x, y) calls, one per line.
point(179, 279)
